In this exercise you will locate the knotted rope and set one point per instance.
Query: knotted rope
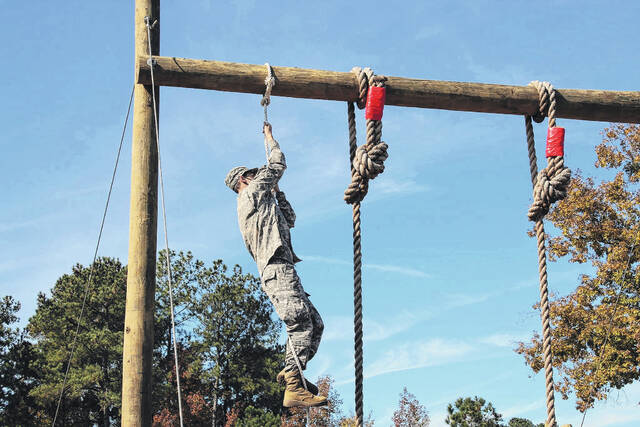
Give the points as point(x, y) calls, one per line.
point(366, 163)
point(549, 185)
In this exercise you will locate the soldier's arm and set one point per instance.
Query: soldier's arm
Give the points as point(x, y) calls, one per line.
point(285, 207)
point(267, 178)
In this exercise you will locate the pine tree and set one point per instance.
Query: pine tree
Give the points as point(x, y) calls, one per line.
point(92, 392)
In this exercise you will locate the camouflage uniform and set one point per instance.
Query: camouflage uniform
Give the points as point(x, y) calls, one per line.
point(265, 219)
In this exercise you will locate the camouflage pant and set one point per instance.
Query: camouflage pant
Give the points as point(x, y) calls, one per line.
point(281, 283)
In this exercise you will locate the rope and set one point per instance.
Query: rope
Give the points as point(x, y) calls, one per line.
point(366, 163)
point(95, 255)
point(549, 185)
point(357, 279)
point(164, 219)
point(270, 82)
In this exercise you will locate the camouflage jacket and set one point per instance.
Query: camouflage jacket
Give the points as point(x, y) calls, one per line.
point(264, 217)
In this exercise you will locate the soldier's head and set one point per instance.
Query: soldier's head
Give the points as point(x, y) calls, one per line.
point(239, 177)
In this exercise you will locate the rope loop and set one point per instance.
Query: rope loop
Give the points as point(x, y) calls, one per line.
point(363, 75)
point(546, 102)
point(270, 82)
point(367, 161)
point(550, 184)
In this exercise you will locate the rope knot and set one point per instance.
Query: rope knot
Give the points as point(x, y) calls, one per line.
point(550, 187)
point(367, 161)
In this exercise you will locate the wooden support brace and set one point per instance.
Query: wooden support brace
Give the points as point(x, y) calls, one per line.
point(596, 105)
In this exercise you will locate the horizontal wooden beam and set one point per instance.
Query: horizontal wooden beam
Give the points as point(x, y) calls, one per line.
point(596, 105)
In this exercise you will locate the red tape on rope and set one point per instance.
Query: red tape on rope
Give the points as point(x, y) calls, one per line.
point(375, 103)
point(555, 142)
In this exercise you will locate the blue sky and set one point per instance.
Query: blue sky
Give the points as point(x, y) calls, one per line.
point(449, 273)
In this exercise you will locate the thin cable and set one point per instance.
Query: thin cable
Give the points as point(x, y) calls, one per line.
point(613, 315)
point(95, 255)
point(164, 219)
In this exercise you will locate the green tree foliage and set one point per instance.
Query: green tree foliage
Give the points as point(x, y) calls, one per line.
point(227, 341)
point(8, 309)
point(410, 412)
point(228, 323)
point(600, 224)
point(523, 422)
point(476, 412)
point(254, 417)
point(17, 376)
point(8, 337)
point(92, 393)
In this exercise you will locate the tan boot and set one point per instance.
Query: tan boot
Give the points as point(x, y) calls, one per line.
point(313, 389)
point(296, 396)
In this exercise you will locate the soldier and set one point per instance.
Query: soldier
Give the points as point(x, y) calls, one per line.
point(265, 217)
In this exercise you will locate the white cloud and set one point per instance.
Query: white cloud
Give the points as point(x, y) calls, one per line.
point(389, 186)
point(378, 331)
point(389, 268)
point(460, 300)
point(416, 355)
point(319, 367)
point(521, 409)
point(337, 328)
point(27, 223)
point(326, 260)
point(504, 339)
point(397, 269)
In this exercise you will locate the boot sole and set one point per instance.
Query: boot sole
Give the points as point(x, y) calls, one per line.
point(301, 404)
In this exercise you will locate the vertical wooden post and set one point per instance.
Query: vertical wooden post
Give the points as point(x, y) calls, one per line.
point(143, 224)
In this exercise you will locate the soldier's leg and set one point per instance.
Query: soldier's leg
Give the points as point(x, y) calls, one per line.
point(282, 285)
point(318, 328)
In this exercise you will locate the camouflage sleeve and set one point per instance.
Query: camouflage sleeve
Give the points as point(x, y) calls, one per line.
point(267, 177)
point(286, 209)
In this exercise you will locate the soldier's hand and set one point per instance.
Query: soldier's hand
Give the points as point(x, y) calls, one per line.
point(267, 129)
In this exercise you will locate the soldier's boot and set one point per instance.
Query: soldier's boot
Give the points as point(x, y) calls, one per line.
point(313, 389)
point(296, 396)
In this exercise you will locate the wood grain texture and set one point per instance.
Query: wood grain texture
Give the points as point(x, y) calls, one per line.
point(137, 366)
point(595, 105)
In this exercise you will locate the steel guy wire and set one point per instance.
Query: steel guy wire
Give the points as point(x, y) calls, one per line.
point(95, 255)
